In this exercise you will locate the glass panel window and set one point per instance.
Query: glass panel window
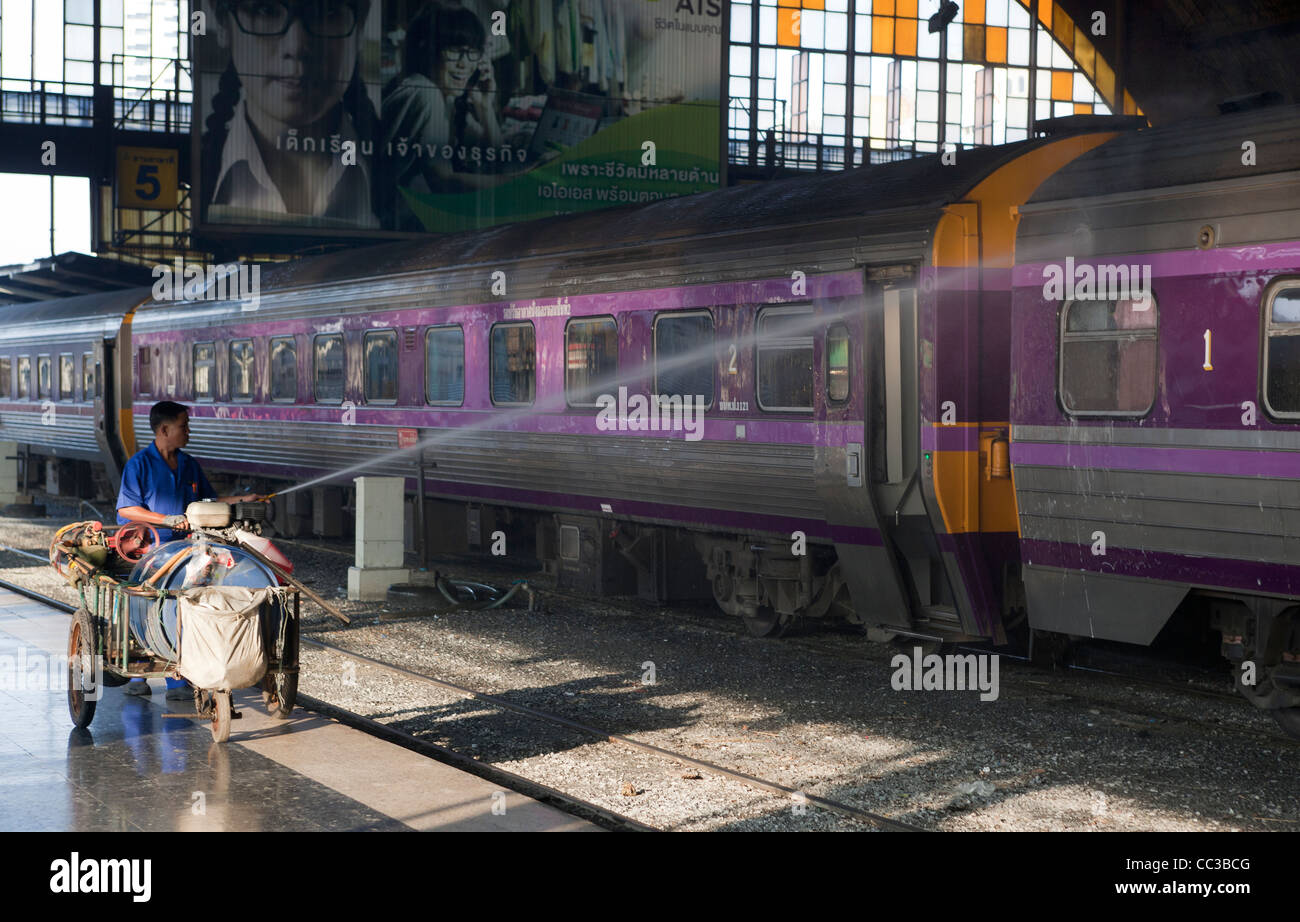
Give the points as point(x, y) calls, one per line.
point(243, 365)
point(205, 362)
point(444, 366)
point(67, 377)
point(42, 376)
point(379, 349)
point(1282, 363)
point(6, 371)
point(1108, 357)
point(330, 367)
point(684, 356)
point(25, 377)
point(591, 360)
point(514, 357)
point(88, 382)
point(837, 363)
point(785, 358)
point(284, 369)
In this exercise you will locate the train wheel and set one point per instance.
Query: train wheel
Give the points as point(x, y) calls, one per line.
point(279, 693)
point(220, 716)
point(766, 622)
point(1288, 719)
point(83, 691)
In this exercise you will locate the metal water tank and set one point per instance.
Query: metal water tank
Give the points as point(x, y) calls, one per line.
point(188, 564)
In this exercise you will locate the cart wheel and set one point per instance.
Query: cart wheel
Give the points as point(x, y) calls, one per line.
point(83, 691)
point(280, 693)
point(220, 716)
point(280, 689)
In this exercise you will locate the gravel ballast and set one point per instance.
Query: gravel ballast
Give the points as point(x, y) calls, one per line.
point(815, 712)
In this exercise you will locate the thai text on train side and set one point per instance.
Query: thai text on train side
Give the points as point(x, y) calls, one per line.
point(193, 282)
point(656, 413)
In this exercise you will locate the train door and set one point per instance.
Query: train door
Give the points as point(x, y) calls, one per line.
point(868, 383)
point(108, 403)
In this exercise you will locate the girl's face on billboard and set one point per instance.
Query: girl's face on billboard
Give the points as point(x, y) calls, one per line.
point(456, 66)
point(297, 76)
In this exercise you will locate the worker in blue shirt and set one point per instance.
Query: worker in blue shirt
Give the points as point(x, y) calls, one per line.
point(158, 483)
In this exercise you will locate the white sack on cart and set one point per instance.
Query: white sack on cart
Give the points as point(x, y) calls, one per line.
point(221, 636)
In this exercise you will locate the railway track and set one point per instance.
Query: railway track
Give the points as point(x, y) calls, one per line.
point(1031, 674)
point(608, 818)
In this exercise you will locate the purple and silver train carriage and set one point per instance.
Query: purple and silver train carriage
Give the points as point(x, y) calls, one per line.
point(1156, 418)
point(900, 426)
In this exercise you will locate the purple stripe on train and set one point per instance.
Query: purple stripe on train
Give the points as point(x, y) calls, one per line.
point(769, 291)
point(1214, 572)
point(1234, 462)
point(1264, 257)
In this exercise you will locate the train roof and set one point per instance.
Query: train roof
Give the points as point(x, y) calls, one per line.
point(909, 194)
point(1199, 151)
point(99, 314)
point(1176, 188)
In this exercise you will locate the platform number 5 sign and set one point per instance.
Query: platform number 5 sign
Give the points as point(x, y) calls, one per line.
point(146, 178)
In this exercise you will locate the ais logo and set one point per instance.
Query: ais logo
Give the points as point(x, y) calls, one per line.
point(698, 7)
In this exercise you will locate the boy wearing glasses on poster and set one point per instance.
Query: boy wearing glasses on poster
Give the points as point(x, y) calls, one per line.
point(289, 97)
point(445, 95)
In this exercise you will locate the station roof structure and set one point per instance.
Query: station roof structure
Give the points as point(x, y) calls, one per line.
point(67, 275)
point(1182, 58)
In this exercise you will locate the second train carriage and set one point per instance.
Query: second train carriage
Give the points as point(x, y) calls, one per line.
point(1156, 439)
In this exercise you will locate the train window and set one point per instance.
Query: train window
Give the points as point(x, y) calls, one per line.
point(67, 377)
point(42, 376)
point(1282, 356)
point(684, 355)
point(243, 369)
point(6, 371)
point(24, 377)
point(514, 371)
point(1108, 357)
point(330, 367)
point(785, 358)
point(379, 351)
point(591, 360)
point(837, 363)
point(205, 362)
point(284, 369)
point(88, 376)
point(444, 366)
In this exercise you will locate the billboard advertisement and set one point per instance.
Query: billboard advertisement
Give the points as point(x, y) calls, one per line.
point(445, 115)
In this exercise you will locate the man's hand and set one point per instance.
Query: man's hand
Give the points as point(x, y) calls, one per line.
point(176, 523)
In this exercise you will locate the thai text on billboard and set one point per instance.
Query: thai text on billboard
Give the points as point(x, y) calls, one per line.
point(408, 116)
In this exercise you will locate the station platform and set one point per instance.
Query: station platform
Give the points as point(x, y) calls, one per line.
point(134, 770)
